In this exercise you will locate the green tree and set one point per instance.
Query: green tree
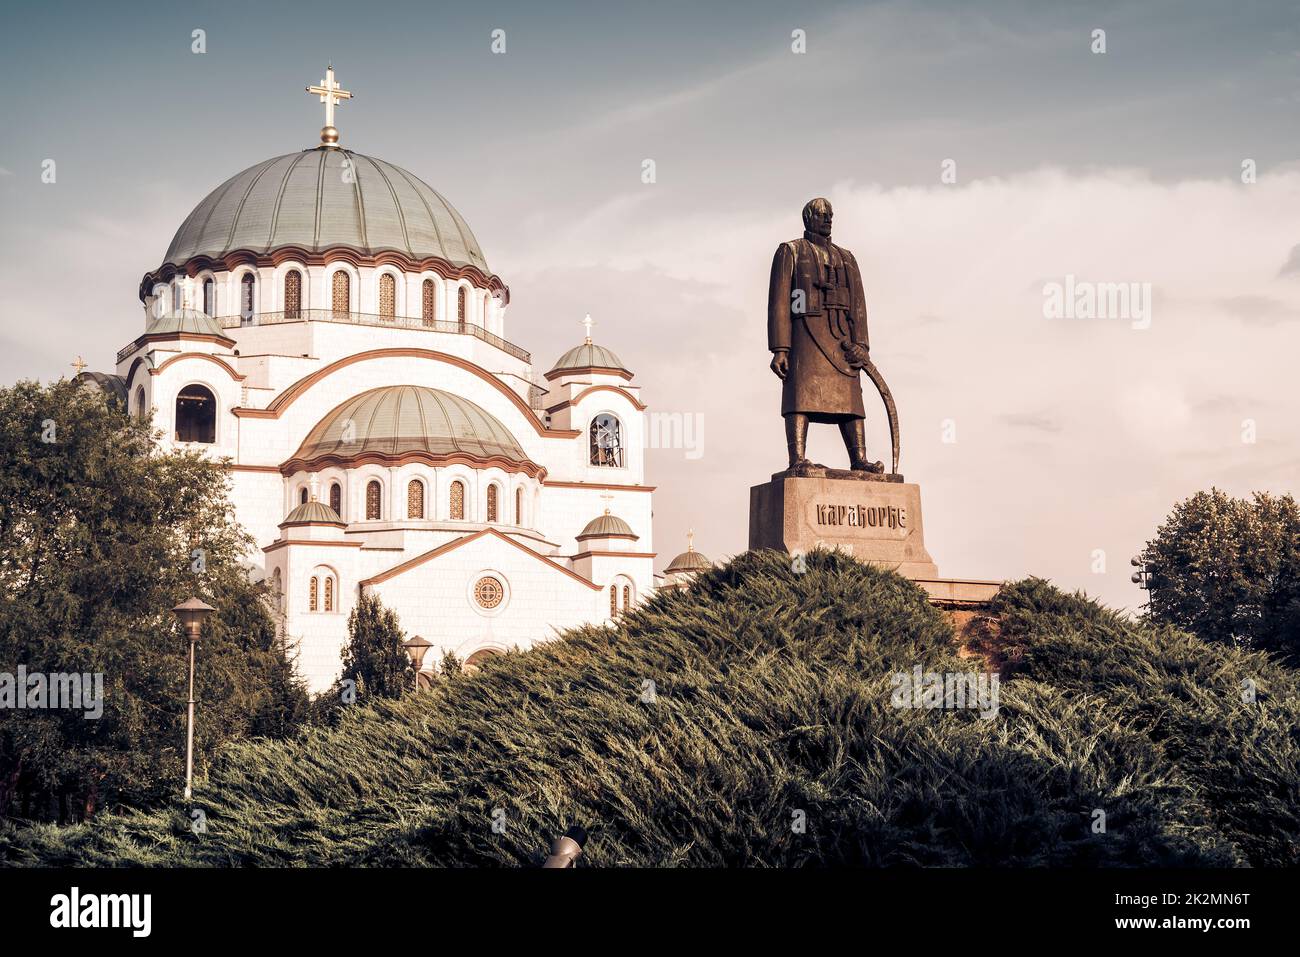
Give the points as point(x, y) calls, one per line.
point(1228, 570)
point(375, 658)
point(101, 533)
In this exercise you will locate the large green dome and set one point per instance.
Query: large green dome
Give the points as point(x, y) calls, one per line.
point(312, 200)
point(399, 420)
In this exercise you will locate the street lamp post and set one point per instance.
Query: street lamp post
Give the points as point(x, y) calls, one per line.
point(191, 613)
point(417, 648)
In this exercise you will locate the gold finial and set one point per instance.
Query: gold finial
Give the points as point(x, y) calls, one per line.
point(314, 485)
point(588, 323)
point(690, 540)
point(79, 364)
point(331, 94)
point(608, 498)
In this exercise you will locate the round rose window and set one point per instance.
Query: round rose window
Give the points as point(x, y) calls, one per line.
point(488, 592)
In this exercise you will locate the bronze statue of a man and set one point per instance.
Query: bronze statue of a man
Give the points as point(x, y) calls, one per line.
point(817, 333)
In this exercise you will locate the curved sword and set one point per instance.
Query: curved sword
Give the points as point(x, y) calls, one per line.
point(891, 410)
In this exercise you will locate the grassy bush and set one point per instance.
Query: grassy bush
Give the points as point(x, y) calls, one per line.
point(771, 695)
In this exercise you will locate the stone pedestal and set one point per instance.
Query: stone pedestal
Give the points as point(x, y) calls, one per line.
point(874, 518)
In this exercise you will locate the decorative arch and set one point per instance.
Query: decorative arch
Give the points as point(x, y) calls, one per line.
point(429, 301)
point(247, 296)
point(415, 498)
point(197, 355)
point(456, 500)
point(493, 502)
point(196, 415)
point(296, 391)
point(293, 293)
point(606, 441)
point(374, 500)
point(387, 295)
point(341, 293)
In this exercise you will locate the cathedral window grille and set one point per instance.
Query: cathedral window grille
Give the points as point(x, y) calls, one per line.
point(176, 296)
point(210, 297)
point(492, 503)
point(329, 592)
point(302, 496)
point(428, 302)
point(336, 498)
point(247, 297)
point(313, 594)
point(458, 500)
point(627, 597)
point(415, 499)
point(341, 294)
point(196, 415)
point(460, 307)
point(293, 294)
point(606, 442)
point(373, 500)
point(140, 410)
point(613, 601)
point(387, 296)
point(519, 506)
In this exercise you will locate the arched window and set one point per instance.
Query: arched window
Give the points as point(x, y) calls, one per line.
point(176, 296)
point(247, 297)
point(210, 296)
point(313, 594)
point(329, 592)
point(196, 415)
point(460, 307)
point(492, 503)
point(415, 499)
point(277, 589)
point(373, 501)
point(341, 294)
point(140, 410)
point(428, 302)
point(387, 296)
point(458, 500)
point(293, 294)
point(302, 496)
point(613, 600)
point(627, 597)
point(519, 506)
point(336, 498)
point(606, 441)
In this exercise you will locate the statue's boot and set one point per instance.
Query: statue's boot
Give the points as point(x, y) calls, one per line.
point(855, 439)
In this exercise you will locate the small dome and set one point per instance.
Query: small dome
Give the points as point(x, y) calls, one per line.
point(588, 356)
point(607, 524)
point(397, 420)
point(312, 512)
point(312, 200)
point(187, 321)
point(688, 561)
point(113, 386)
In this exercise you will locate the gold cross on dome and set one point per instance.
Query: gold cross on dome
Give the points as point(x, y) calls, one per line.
point(79, 364)
point(588, 323)
point(690, 540)
point(331, 94)
point(608, 498)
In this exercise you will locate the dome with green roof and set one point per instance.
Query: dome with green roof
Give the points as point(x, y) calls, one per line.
point(607, 526)
point(312, 513)
point(391, 423)
point(589, 356)
point(323, 198)
point(184, 322)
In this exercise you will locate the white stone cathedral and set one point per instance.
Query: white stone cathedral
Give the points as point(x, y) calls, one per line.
point(327, 322)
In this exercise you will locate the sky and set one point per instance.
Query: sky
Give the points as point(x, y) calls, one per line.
point(1043, 444)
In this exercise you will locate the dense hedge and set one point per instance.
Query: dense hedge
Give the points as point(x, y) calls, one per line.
point(771, 696)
